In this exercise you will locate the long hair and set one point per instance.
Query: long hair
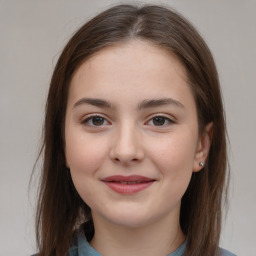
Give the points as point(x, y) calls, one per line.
point(60, 209)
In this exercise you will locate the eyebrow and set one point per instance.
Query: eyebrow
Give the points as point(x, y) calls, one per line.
point(159, 102)
point(95, 102)
point(148, 103)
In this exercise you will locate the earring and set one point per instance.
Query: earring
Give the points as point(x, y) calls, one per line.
point(202, 164)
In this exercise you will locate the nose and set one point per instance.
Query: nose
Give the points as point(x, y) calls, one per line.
point(126, 146)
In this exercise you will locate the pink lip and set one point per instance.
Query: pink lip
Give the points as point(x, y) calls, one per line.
point(127, 184)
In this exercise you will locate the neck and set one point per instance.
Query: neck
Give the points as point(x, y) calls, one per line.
point(161, 238)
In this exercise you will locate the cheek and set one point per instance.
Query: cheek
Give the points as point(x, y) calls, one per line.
point(174, 156)
point(84, 153)
point(84, 156)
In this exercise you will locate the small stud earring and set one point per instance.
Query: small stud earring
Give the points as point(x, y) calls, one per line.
point(202, 164)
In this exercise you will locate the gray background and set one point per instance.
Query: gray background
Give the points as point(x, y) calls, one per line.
point(32, 34)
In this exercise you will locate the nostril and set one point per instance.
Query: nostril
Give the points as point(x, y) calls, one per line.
point(118, 160)
point(126, 154)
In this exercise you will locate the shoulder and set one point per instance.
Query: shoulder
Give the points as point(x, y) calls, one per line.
point(80, 245)
point(224, 252)
point(73, 251)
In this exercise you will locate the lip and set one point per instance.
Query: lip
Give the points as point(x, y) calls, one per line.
point(128, 184)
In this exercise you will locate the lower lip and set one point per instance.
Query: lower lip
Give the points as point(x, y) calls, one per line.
point(128, 188)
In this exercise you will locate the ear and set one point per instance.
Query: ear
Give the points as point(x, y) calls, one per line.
point(203, 147)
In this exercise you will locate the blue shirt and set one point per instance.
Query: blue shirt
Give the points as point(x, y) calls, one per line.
point(83, 248)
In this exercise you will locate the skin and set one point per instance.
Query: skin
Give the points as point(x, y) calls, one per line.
point(127, 141)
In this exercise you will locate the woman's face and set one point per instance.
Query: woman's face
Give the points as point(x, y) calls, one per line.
point(131, 134)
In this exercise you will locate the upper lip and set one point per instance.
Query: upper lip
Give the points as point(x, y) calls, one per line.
point(131, 178)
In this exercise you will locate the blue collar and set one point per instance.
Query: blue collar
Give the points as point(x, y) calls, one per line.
point(83, 248)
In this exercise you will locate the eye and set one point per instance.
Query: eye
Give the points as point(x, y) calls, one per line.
point(160, 121)
point(95, 121)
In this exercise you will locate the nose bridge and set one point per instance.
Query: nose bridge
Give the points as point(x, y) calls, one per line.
point(127, 146)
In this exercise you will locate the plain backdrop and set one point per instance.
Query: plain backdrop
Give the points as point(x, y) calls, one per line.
point(32, 35)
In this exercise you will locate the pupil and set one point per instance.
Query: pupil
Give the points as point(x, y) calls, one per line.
point(97, 120)
point(158, 121)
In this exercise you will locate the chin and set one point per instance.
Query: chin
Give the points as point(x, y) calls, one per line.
point(130, 219)
point(131, 223)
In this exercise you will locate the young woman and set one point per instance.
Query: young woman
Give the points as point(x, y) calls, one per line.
point(134, 141)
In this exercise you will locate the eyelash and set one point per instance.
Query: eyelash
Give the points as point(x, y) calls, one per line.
point(166, 119)
point(88, 121)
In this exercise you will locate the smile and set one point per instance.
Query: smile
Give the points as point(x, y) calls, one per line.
point(128, 184)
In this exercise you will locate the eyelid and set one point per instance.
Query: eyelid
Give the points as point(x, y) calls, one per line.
point(89, 117)
point(86, 118)
point(171, 120)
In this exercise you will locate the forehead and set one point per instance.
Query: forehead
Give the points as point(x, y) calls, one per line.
point(136, 68)
point(140, 53)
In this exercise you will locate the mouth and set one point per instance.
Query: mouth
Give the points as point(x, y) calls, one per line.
point(128, 184)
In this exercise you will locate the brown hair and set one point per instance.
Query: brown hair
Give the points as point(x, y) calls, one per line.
point(60, 209)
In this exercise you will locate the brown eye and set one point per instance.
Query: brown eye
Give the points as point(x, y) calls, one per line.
point(95, 121)
point(159, 121)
